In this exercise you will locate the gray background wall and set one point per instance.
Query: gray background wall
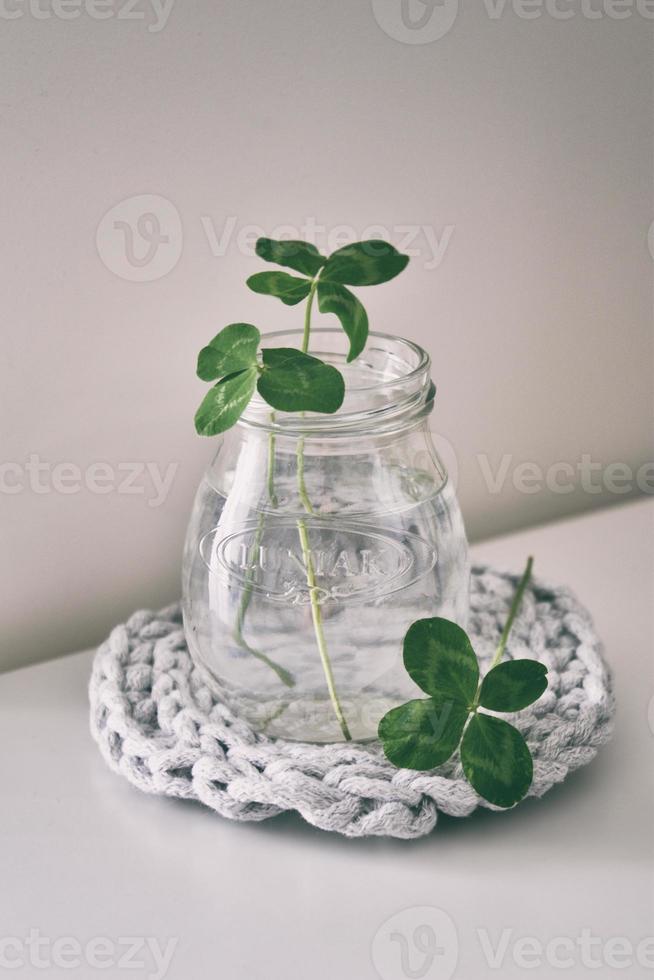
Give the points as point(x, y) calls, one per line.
point(521, 143)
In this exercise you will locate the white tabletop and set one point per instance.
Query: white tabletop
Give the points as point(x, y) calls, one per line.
point(87, 861)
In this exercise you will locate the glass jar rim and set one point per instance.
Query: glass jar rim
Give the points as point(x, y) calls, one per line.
point(409, 390)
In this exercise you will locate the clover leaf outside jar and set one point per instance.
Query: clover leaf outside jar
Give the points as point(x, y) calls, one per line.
point(316, 540)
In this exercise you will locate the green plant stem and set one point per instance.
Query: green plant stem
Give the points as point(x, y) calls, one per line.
point(284, 675)
point(316, 612)
point(501, 647)
point(316, 615)
point(272, 496)
point(513, 612)
point(301, 485)
point(307, 317)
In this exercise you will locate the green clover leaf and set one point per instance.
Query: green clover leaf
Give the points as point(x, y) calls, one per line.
point(422, 734)
point(295, 382)
point(224, 404)
point(496, 760)
point(364, 264)
point(513, 685)
point(301, 256)
point(439, 658)
point(233, 349)
point(333, 298)
point(290, 289)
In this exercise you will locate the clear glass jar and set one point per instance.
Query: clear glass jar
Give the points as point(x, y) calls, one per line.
point(316, 540)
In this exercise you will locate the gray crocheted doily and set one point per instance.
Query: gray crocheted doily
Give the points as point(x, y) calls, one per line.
point(157, 723)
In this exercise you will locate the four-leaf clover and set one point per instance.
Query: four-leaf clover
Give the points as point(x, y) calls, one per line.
point(286, 378)
point(366, 263)
point(423, 734)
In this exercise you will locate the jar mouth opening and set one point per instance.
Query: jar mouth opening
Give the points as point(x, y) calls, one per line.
point(388, 380)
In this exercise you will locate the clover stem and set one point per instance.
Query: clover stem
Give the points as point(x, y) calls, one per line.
point(316, 615)
point(301, 485)
point(284, 675)
point(513, 612)
point(316, 612)
point(307, 316)
point(272, 496)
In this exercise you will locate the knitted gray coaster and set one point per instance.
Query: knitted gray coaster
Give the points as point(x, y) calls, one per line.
point(157, 723)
